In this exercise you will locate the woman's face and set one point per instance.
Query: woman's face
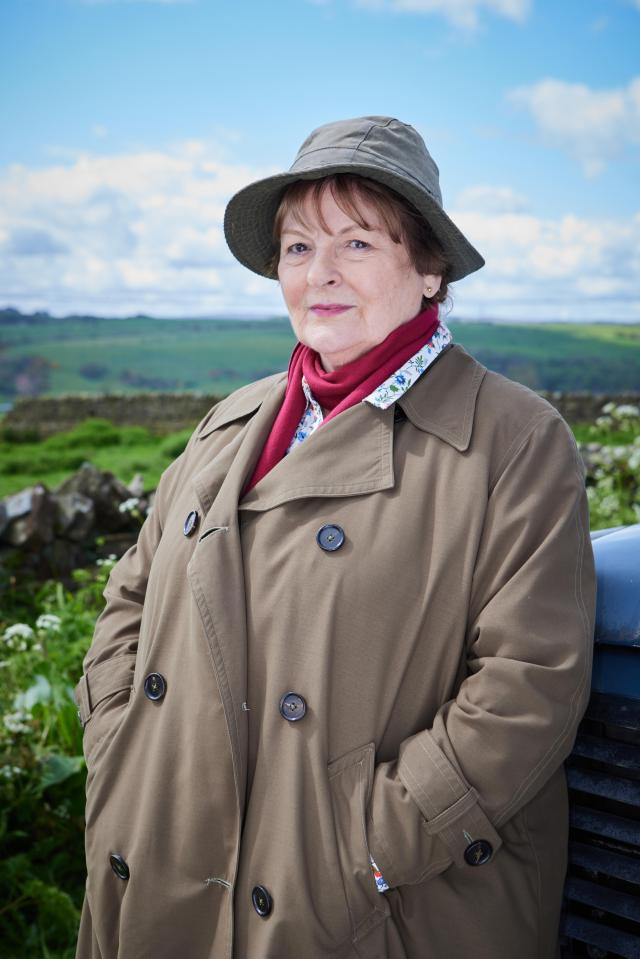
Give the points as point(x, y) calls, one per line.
point(346, 288)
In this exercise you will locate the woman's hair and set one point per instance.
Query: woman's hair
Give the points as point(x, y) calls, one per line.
point(401, 220)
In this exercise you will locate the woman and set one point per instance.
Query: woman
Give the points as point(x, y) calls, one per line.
point(329, 698)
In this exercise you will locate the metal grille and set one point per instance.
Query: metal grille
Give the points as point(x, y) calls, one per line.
point(601, 917)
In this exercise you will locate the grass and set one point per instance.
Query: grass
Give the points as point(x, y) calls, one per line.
point(96, 354)
point(122, 450)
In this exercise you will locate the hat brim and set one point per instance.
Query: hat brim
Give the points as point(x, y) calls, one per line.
point(249, 216)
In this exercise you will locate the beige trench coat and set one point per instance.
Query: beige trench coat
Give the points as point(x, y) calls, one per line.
point(443, 653)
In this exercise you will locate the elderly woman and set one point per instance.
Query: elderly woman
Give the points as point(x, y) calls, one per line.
point(327, 704)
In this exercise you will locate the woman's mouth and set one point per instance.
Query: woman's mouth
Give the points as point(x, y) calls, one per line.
point(329, 309)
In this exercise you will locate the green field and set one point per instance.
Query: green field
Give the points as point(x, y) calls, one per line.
point(44, 355)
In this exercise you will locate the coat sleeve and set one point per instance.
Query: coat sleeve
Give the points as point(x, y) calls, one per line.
point(528, 662)
point(110, 661)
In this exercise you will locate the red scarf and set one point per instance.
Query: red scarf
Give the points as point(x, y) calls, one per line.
point(340, 389)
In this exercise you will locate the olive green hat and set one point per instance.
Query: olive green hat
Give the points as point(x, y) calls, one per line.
point(380, 148)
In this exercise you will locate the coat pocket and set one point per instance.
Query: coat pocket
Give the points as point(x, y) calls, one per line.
point(102, 696)
point(351, 782)
point(103, 725)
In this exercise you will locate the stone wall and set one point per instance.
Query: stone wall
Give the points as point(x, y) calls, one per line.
point(169, 412)
point(157, 412)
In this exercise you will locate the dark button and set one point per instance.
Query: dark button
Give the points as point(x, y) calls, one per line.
point(119, 866)
point(155, 686)
point(190, 522)
point(330, 537)
point(262, 901)
point(292, 707)
point(478, 853)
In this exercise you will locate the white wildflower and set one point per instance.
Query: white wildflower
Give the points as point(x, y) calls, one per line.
point(609, 504)
point(627, 410)
point(18, 629)
point(17, 722)
point(49, 622)
point(129, 505)
point(10, 772)
point(608, 408)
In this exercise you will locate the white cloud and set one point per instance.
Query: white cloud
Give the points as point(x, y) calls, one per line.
point(592, 126)
point(565, 268)
point(491, 199)
point(123, 233)
point(462, 13)
point(136, 232)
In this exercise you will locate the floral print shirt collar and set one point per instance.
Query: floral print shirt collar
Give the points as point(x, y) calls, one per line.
point(384, 395)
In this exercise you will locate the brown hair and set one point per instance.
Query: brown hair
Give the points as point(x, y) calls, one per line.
point(400, 218)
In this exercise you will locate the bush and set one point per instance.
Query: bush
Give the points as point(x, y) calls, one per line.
point(42, 771)
point(174, 445)
point(91, 433)
point(612, 458)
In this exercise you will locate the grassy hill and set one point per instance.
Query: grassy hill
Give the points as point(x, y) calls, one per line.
point(40, 354)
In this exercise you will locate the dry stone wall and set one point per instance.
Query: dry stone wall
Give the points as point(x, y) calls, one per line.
point(158, 412)
point(169, 412)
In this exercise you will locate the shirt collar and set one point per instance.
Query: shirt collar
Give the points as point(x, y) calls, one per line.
point(403, 379)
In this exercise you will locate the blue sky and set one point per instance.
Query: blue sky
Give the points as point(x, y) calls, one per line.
point(127, 124)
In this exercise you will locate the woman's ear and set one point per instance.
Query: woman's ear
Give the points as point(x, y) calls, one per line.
point(432, 283)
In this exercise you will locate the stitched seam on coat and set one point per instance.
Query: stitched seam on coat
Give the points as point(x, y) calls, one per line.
point(472, 397)
point(407, 773)
point(447, 772)
point(518, 442)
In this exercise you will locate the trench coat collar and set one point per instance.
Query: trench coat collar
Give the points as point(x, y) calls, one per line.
point(443, 401)
point(351, 455)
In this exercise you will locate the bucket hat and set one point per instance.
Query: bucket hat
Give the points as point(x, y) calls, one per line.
point(380, 148)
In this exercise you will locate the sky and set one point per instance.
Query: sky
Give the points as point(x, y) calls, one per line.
point(126, 125)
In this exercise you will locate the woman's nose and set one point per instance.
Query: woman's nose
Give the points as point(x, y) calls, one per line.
point(323, 270)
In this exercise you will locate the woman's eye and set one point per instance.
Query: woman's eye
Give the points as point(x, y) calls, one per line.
point(297, 248)
point(358, 245)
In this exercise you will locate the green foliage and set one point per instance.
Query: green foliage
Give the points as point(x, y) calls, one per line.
point(124, 450)
point(42, 771)
point(137, 353)
point(45, 354)
point(611, 451)
point(173, 445)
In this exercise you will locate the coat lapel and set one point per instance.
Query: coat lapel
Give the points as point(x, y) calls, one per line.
point(216, 572)
point(351, 455)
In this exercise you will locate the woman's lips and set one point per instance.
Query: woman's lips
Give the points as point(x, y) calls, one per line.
point(329, 309)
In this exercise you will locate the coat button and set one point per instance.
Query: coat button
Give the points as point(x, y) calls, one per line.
point(292, 707)
point(330, 537)
point(119, 866)
point(262, 901)
point(155, 686)
point(478, 853)
point(190, 522)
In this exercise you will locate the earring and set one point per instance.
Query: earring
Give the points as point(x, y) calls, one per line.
point(428, 291)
